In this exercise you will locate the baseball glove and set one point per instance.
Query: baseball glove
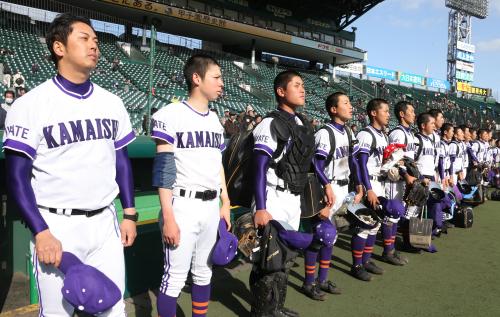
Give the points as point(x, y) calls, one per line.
point(244, 230)
point(411, 167)
point(416, 194)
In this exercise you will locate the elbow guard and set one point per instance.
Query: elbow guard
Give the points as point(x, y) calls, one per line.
point(164, 170)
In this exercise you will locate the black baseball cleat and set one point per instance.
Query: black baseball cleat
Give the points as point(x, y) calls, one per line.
point(394, 258)
point(329, 287)
point(371, 267)
point(360, 273)
point(313, 291)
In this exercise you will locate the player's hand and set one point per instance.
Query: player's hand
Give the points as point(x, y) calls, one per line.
point(450, 182)
point(444, 183)
point(461, 176)
point(171, 233)
point(329, 195)
point(128, 232)
point(358, 197)
point(48, 248)
point(325, 213)
point(372, 199)
point(261, 218)
point(410, 179)
point(225, 212)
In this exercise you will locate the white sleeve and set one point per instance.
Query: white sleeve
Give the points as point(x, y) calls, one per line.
point(365, 141)
point(397, 136)
point(322, 142)
point(22, 128)
point(264, 140)
point(163, 122)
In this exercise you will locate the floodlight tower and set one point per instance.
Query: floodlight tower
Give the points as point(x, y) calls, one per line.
point(460, 48)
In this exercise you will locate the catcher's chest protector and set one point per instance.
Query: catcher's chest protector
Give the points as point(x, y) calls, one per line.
point(298, 140)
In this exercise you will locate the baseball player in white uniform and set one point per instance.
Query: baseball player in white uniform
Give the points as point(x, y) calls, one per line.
point(425, 159)
point(401, 134)
point(282, 159)
point(457, 156)
point(372, 142)
point(65, 144)
point(334, 163)
point(436, 139)
point(190, 188)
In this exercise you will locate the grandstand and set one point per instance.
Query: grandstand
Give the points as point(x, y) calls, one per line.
point(245, 83)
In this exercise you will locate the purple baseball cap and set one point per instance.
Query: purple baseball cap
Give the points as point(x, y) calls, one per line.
point(226, 247)
point(394, 208)
point(294, 239)
point(325, 232)
point(86, 288)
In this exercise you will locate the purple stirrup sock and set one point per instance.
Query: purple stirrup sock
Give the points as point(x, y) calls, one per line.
point(310, 258)
point(166, 305)
point(325, 256)
point(200, 296)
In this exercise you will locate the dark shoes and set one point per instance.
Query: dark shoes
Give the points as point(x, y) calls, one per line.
point(372, 268)
point(394, 258)
point(360, 273)
point(313, 291)
point(329, 287)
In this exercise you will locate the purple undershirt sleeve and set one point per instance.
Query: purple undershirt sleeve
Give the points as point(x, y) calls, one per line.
point(452, 160)
point(124, 178)
point(471, 154)
point(363, 170)
point(319, 162)
point(354, 167)
point(261, 164)
point(441, 167)
point(19, 168)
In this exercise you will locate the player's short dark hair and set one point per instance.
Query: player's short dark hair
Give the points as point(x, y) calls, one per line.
point(435, 112)
point(282, 80)
point(481, 131)
point(401, 106)
point(446, 126)
point(59, 30)
point(423, 118)
point(197, 64)
point(333, 100)
point(463, 127)
point(373, 105)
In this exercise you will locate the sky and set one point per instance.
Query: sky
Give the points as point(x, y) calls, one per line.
point(412, 36)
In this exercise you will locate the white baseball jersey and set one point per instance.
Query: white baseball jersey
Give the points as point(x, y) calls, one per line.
point(282, 205)
point(267, 143)
point(457, 149)
point(479, 148)
point(72, 140)
point(445, 155)
point(198, 141)
point(466, 146)
point(338, 168)
point(403, 135)
point(436, 139)
point(365, 144)
point(427, 156)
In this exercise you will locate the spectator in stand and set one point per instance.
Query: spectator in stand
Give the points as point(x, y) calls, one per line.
point(21, 91)
point(1, 70)
point(9, 97)
point(258, 119)
point(231, 126)
point(354, 129)
point(225, 117)
point(7, 76)
point(18, 80)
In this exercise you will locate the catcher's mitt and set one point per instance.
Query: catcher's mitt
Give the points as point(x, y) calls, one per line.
point(244, 230)
point(416, 194)
point(411, 167)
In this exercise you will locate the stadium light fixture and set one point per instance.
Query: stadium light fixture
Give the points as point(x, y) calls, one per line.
point(475, 8)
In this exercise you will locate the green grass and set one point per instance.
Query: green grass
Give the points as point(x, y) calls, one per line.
point(462, 279)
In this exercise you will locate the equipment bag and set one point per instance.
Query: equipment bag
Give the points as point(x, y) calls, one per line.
point(464, 217)
point(421, 231)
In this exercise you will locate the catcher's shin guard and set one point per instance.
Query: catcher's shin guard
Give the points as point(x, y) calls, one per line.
point(268, 293)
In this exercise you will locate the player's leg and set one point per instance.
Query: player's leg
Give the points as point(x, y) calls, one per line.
point(201, 267)
point(107, 255)
point(358, 242)
point(369, 265)
point(177, 260)
point(325, 253)
point(73, 234)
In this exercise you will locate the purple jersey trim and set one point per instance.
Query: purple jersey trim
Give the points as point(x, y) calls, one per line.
point(321, 153)
point(83, 91)
point(198, 113)
point(20, 147)
point(163, 136)
point(222, 147)
point(125, 140)
point(264, 148)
